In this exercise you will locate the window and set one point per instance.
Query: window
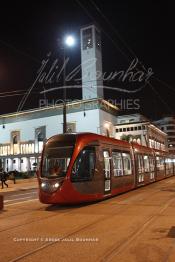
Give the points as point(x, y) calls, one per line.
point(98, 39)
point(139, 128)
point(128, 128)
point(135, 128)
point(87, 39)
point(122, 121)
point(84, 165)
point(169, 163)
point(127, 163)
point(124, 129)
point(15, 140)
point(132, 128)
point(71, 127)
point(146, 163)
point(170, 123)
point(143, 127)
point(170, 127)
point(117, 163)
point(120, 129)
point(152, 164)
point(171, 133)
point(160, 163)
point(40, 135)
point(56, 161)
point(171, 139)
point(140, 164)
point(107, 167)
point(116, 130)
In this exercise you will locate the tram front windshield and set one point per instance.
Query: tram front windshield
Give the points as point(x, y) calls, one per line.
point(56, 161)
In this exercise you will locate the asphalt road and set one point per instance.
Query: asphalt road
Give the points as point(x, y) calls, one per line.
point(135, 226)
point(14, 197)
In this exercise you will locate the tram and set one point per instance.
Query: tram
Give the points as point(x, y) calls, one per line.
point(87, 167)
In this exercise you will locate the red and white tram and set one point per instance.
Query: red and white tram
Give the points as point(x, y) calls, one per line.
point(86, 167)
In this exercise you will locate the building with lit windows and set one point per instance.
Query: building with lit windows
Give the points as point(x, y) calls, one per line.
point(139, 129)
point(167, 125)
point(23, 134)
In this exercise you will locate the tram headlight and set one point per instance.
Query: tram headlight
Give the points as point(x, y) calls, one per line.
point(56, 185)
point(50, 187)
point(43, 184)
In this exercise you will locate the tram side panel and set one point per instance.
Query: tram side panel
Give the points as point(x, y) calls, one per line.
point(122, 170)
point(160, 166)
point(145, 168)
point(89, 180)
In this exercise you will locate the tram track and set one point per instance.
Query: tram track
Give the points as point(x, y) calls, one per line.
point(33, 221)
point(112, 251)
point(74, 208)
point(65, 208)
point(116, 248)
point(71, 234)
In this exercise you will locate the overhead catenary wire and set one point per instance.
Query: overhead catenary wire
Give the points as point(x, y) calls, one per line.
point(19, 51)
point(123, 41)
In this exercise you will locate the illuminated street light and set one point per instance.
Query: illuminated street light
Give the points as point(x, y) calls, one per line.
point(69, 40)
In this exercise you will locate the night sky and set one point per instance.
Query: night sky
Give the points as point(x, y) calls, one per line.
point(142, 29)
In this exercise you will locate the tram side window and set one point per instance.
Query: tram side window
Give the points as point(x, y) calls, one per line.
point(169, 163)
point(84, 165)
point(146, 163)
point(127, 163)
point(160, 163)
point(107, 168)
point(152, 164)
point(140, 164)
point(117, 163)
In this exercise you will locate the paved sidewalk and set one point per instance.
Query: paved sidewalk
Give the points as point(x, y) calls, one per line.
point(21, 184)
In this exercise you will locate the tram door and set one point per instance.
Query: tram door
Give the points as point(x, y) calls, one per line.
point(107, 171)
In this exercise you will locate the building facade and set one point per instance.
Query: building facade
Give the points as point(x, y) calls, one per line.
point(167, 124)
point(23, 134)
point(139, 129)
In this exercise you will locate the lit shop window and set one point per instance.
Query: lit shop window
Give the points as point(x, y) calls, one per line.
point(27, 148)
point(4, 150)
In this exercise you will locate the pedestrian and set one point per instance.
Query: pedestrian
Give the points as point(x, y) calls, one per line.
point(3, 177)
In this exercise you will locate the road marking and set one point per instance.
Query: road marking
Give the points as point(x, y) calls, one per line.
point(23, 194)
point(30, 200)
point(10, 200)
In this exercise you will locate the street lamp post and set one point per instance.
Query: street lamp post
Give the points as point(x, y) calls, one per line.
point(68, 41)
